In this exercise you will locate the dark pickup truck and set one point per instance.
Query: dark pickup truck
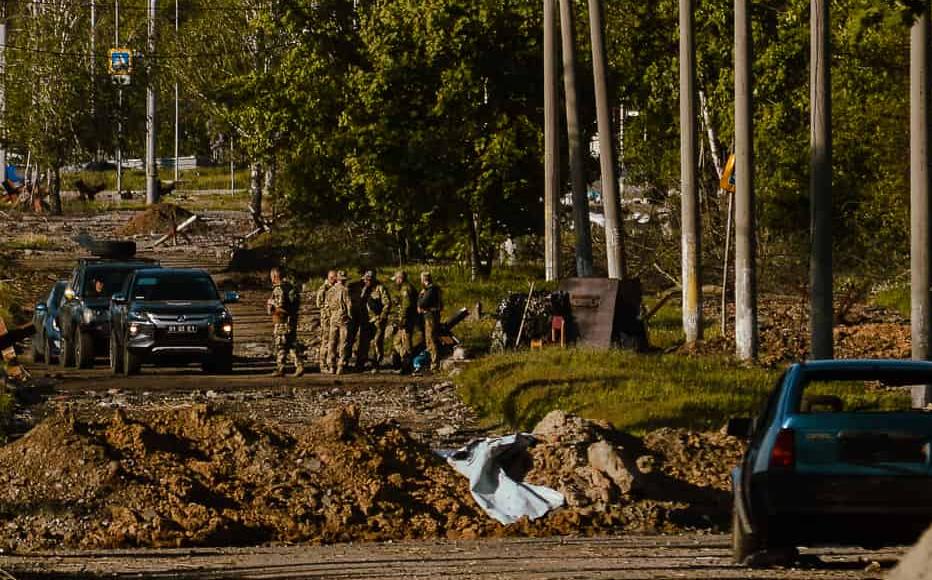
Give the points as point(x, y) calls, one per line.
point(84, 315)
point(171, 316)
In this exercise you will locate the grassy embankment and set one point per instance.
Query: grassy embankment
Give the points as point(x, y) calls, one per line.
point(635, 392)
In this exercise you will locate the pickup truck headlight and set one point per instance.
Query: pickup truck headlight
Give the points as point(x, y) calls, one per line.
point(224, 325)
point(137, 317)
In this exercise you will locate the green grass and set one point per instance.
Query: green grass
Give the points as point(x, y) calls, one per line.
point(634, 392)
point(202, 178)
point(895, 297)
point(665, 327)
point(31, 242)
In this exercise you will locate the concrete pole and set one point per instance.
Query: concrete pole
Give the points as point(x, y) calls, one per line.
point(152, 175)
point(551, 148)
point(577, 153)
point(820, 184)
point(689, 189)
point(745, 218)
point(614, 230)
point(3, 24)
point(119, 146)
point(920, 263)
point(176, 102)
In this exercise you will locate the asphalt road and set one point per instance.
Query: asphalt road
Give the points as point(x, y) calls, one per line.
point(630, 557)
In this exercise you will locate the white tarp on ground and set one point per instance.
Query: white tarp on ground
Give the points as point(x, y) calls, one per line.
point(485, 463)
point(917, 564)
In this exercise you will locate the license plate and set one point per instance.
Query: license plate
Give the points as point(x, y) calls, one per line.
point(182, 329)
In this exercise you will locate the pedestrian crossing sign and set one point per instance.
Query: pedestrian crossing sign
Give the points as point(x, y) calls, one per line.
point(121, 62)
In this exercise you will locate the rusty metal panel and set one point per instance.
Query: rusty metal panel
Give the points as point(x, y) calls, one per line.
point(603, 311)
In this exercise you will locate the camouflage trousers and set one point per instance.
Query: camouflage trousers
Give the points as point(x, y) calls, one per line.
point(378, 339)
point(402, 343)
point(338, 344)
point(432, 338)
point(285, 341)
point(323, 352)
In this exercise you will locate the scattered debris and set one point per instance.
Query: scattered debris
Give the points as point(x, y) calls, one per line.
point(159, 219)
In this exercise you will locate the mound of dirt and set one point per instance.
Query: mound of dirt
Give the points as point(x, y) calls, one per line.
point(159, 219)
point(195, 477)
point(669, 480)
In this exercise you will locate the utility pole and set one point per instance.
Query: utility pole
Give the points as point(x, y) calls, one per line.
point(821, 318)
point(920, 264)
point(614, 230)
point(176, 100)
point(551, 149)
point(689, 189)
point(577, 156)
point(152, 179)
point(3, 24)
point(745, 218)
point(119, 146)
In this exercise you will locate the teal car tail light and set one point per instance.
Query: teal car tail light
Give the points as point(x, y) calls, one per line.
point(783, 455)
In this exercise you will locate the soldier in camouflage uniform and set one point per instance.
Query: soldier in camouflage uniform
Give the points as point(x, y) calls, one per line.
point(378, 304)
point(340, 309)
point(429, 305)
point(406, 320)
point(283, 306)
point(321, 299)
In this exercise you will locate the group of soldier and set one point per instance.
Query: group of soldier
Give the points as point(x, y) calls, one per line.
point(360, 314)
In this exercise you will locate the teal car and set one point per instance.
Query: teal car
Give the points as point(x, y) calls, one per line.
point(839, 455)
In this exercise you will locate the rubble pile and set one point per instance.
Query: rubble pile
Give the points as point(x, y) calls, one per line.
point(197, 477)
point(669, 480)
point(159, 219)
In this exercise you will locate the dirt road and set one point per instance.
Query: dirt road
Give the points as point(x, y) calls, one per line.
point(634, 557)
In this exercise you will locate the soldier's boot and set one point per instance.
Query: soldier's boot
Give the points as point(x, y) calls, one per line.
point(278, 373)
point(339, 370)
point(298, 372)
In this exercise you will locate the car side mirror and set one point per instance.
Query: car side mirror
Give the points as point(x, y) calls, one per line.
point(740, 427)
point(119, 298)
point(230, 298)
point(41, 307)
point(69, 294)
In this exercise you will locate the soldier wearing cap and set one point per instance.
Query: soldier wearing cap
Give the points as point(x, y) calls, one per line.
point(283, 307)
point(429, 305)
point(406, 319)
point(340, 309)
point(321, 299)
point(378, 304)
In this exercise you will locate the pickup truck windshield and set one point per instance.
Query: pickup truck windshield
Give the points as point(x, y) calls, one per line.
point(104, 282)
point(174, 288)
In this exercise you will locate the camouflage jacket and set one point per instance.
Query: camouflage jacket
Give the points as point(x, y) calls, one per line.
point(322, 295)
point(285, 303)
point(407, 304)
point(378, 303)
point(338, 303)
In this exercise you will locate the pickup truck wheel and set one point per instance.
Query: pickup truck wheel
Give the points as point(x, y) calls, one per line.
point(37, 355)
point(132, 362)
point(66, 356)
point(116, 356)
point(745, 546)
point(83, 350)
point(220, 363)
